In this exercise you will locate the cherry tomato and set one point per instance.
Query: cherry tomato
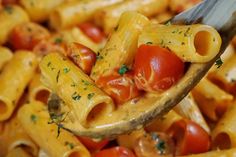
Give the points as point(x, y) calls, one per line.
point(120, 87)
point(82, 56)
point(115, 152)
point(156, 68)
point(189, 137)
point(7, 2)
point(154, 144)
point(92, 31)
point(91, 144)
point(178, 6)
point(27, 35)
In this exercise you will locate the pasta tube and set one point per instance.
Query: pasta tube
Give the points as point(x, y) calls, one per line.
point(75, 88)
point(5, 56)
point(121, 47)
point(19, 152)
point(76, 12)
point(10, 16)
point(193, 43)
point(224, 134)
point(189, 109)
point(225, 76)
point(14, 78)
point(39, 10)
point(14, 136)
point(35, 115)
point(216, 153)
point(212, 100)
point(37, 91)
point(108, 17)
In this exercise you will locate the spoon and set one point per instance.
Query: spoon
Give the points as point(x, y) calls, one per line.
point(221, 14)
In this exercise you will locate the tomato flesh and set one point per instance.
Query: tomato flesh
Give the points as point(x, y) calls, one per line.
point(156, 68)
point(189, 137)
point(115, 152)
point(91, 144)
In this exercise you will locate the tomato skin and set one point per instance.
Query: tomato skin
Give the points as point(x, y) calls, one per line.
point(190, 138)
point(156, 68)
point(93, 145)
point(92, 31)
point(115, 152)
point(7, 2)
point(82, 56)
point(28, 35)
point(120, 88)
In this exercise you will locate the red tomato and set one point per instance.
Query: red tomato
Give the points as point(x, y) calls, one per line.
point(27, 35)
point(93, 145)
point(115, 152)
point(120, 88)
point(92, 32)
point(82, 56)
point(154, 144)
point(156, 68)
point(189, 137)
point(7, 2)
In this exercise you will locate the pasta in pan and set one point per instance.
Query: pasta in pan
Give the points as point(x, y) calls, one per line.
point(70, 65)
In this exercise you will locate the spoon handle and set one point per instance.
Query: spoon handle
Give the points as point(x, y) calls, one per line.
point(220, 14)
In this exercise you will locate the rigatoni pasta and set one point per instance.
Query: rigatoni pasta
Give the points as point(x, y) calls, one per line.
point(14, 79)
point(5, 56)
point(10, 16)
point(79, 92)
point(122, 45)
point(19, 152)
point(35, 116)
point(108, 17)
point(193, 43)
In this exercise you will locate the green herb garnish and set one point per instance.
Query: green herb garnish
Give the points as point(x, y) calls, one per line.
point(33, 118)
point(149, 43)
point(58, 41)
point(58, 75)
point(66, 70)
point(219, 62)
point(8, 9)
point(123, 69)
point(90, 95)
point(161, 146)
point(75, 96)
point(70, 145)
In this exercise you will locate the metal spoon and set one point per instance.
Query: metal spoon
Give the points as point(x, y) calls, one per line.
point(221, 14)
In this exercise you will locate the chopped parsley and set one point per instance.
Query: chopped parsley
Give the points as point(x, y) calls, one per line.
point(161, 146)
point(90, 95)
point(58, 75)
point(75, 96)
point(66, 70)
point(86, 83)
point(58, 41)
point(168, 23)
point(73, 84)
point(8, 9)
point(219, 62)
point(33, 118)
point(123, 69)
point(70, 145)
point(98, 56)
point(49, 64)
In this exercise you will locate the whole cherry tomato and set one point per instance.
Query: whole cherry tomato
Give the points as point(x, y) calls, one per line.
point(156, 68)
point(27, 35)
point(82, 56)
point(91, 144)
point(92, 31)
point(115, 152)
point(189, 137)
point(120, 87)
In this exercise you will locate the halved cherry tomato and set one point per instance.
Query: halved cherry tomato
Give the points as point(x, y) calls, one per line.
point(7, 2)
point(82, 56)
point(156, 68)
point(115, 152)
point(27, 35)
point(92, 31)
point(154, 144)
point(120, 88)
point(91, 144)
point(189, 137)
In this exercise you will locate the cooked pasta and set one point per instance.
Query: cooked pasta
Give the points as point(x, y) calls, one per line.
point(78, 91)
point(66, 15)
point(5, 56)
point(10, 16)
point(35, 116)
point(14, 79)
point(19, 152)
point(108, 17)
point(122, 45)
point(194, 43)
